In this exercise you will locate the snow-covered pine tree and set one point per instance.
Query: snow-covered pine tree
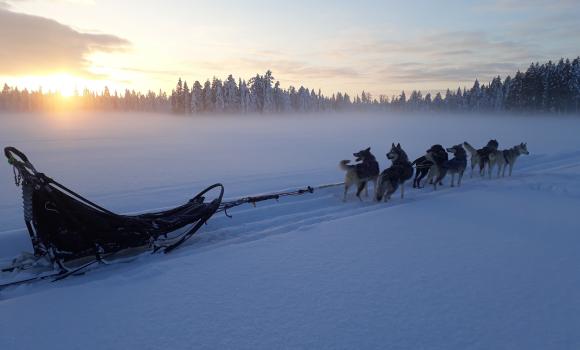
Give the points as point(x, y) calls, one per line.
point(196, 98)
point(231, 95)
point(428, 102)
point(550, 83)
point(186, 97)
point(268, 81)
point(575, 84)
point(217, 95)
point(179, 107)
point(208, 103)
point(496, 94)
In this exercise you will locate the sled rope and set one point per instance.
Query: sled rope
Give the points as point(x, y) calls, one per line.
point(225, 206)
point(255, 199)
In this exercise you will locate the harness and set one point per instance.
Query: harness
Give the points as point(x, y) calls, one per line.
point(367, 168)
point(505, 156)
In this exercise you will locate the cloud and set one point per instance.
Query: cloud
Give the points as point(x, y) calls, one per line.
point(444, 57)
point(519, 5)
point(291, 70)
point(452, 73)
point(441, 45)
point(36, 45)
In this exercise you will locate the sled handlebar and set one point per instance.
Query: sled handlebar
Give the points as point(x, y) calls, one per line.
point(11, 151)
point(18, 159)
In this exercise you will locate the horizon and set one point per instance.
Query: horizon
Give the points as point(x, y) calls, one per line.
point(76, 44)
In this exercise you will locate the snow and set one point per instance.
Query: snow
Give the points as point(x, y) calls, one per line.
point(493, 264)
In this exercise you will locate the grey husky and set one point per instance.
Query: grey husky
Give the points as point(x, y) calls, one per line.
point(391, 178)
point(480, 157)
point(361, 173)
point(505, 158)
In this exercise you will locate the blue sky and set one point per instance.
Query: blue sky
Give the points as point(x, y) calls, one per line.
point(379, 46)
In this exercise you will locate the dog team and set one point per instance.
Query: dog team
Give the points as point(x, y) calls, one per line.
point(435, 164)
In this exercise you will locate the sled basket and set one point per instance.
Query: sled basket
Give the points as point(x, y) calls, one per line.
point(65, 226)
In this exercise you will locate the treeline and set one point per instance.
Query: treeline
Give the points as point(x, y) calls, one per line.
point(549, 87)
point(13, 99)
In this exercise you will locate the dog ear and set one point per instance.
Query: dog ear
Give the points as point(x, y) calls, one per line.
point(398, 145)
point(393, 145)
point(368, 149)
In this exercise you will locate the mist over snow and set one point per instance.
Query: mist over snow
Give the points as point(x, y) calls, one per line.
point(492, 264)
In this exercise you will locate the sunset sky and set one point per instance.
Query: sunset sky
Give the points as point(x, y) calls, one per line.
point(380, 46)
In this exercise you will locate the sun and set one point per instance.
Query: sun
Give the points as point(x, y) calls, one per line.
point(63, 83)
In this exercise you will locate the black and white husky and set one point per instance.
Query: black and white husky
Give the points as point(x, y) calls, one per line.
point(394, 176)
point(480, 157)
point(362, 173)
point(454, 166)
point(505, 158)
point(437, 156)
point(422, 166)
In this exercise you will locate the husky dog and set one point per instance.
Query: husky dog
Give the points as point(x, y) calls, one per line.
point(391, 178)
point(436, 155)
point(422, 166)
point(457, 164)
point(481, 156)
point(506, 157)
point(361, 173)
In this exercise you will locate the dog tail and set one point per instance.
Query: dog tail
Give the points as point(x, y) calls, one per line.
point(343, 165)
point(470, 148)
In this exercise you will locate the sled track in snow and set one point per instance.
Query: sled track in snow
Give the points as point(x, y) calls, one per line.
point(300, 213)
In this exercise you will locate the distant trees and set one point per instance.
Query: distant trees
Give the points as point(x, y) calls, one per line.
point(14, 99)
point(549, 87)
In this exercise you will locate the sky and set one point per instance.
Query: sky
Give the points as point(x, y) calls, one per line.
point(378, 46)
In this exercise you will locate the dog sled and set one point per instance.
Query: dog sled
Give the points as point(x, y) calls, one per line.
point(68, 232)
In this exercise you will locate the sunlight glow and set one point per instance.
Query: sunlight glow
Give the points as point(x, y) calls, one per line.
point(63, 83)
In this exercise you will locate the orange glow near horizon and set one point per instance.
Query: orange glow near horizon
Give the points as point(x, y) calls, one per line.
point(63, 83)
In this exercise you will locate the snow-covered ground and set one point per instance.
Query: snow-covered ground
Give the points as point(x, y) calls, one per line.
point(491, 265)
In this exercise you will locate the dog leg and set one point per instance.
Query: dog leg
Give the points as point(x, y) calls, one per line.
point(453, 180)
point(433, 174)
point(346, 187)
point(361, 187)
point(402, 190)
point(421, 176)
point(511, 168)
point(459, 180)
